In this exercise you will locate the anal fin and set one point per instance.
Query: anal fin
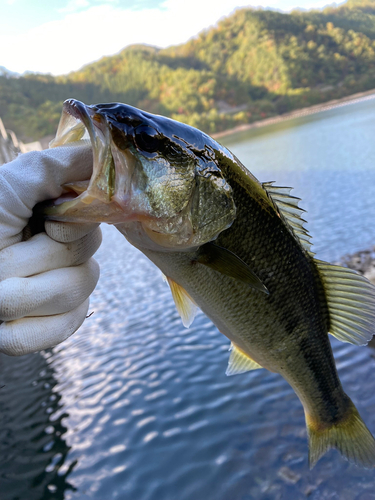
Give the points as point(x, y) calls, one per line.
point(239, 362)
point(185, 305)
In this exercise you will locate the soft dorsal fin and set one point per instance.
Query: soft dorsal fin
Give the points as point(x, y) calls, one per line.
point(351, 303)
point(185, 305)
point(226, 262)
point(239, 362)
point(288, 208)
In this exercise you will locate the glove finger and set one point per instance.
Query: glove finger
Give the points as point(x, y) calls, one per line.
point(40, 254)
point(27, 335)
point(65, 232)
point(50, 293)
point(35, 177)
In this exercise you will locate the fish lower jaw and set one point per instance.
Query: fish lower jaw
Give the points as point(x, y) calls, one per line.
point(87, 208)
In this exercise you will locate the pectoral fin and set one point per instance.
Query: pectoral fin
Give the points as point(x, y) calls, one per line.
point(186, 307)
point(239, 362)
point(226, 262)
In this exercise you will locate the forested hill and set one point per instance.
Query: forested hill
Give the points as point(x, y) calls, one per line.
point(252, 65)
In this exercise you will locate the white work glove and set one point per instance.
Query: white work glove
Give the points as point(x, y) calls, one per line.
point(45, 281)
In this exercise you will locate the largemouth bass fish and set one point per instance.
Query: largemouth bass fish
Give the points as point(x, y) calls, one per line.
point(232, 246)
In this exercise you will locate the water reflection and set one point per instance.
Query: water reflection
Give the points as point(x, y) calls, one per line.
point(33, 449)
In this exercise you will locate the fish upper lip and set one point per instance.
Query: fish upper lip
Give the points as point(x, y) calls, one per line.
point(102, 182)
point(75, 108)
point(79, 111)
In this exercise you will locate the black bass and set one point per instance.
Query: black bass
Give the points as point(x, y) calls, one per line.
point(232, 246)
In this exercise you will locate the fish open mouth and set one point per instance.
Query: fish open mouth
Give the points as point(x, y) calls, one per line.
point(96, 199)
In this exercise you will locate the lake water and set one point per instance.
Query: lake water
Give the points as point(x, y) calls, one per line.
point(136, 407)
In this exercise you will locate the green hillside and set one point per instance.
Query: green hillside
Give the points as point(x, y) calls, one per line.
point(252, 65)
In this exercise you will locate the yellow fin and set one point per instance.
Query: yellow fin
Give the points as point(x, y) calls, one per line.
point(239, 362)
point(350, 437)
point(185, 305)
point(351, 303)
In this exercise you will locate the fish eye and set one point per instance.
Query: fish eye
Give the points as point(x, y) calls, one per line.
point(147, 138)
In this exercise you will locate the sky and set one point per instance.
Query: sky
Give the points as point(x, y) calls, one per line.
point(59, 36)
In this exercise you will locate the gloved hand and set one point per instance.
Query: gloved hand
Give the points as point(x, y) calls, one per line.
point(45, 281)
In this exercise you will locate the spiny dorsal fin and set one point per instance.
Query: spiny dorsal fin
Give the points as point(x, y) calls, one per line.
point(239, 362)
point(351, 303)
point(288, 207)
point(185, 305)
point(226, 262)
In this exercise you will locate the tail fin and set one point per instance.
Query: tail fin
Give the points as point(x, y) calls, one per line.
point(350, 437)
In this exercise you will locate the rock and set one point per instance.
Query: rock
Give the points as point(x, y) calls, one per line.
point(363, 262)
point(370, 273)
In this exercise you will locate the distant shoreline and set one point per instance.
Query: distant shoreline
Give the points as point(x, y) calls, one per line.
point(316, 108)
